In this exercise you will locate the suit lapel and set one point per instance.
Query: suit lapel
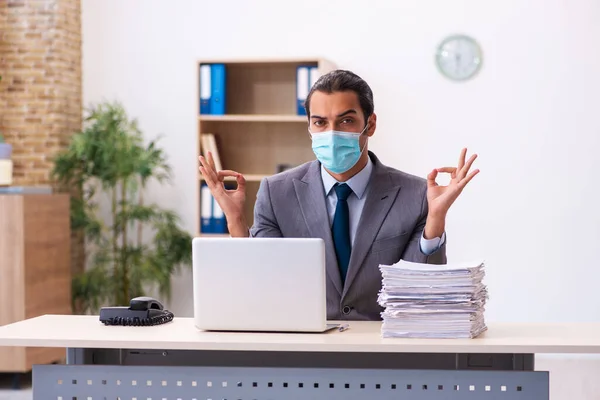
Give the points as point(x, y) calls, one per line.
point(311, 196)
point(381, 194)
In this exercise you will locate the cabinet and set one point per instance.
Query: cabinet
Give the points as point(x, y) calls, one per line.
point(260, 132)
point(35, 270)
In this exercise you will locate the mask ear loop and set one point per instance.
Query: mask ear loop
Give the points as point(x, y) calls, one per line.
point(366, 141)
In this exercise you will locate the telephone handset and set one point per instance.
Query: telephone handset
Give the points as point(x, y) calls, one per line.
point(142, 311)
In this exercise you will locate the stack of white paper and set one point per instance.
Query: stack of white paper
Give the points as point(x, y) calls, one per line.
point(433, 301)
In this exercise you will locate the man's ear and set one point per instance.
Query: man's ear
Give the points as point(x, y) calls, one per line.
point(372, 121)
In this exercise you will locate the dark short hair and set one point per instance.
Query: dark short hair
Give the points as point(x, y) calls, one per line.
point(340, 81)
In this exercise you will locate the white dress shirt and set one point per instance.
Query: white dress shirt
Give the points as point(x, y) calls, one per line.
point(356, 201)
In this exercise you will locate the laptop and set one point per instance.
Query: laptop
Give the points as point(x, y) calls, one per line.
point(259, 284)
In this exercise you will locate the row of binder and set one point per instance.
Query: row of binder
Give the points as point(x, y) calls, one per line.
point(213, 78)
point(212, 218)
point(213, 82)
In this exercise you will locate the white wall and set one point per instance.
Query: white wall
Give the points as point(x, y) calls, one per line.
point(531, 115)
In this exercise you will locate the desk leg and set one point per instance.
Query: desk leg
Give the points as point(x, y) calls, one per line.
point(76, 357)
point(255, 380)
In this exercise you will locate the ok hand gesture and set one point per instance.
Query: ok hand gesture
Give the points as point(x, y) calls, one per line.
point(231, 201)
point(440, 198)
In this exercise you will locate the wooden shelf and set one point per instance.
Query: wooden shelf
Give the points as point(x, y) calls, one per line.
point(253, 118)
point(259, 148)
point(269, 62)
point(260, 132)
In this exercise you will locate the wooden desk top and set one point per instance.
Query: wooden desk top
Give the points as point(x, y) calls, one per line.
point(87, 331)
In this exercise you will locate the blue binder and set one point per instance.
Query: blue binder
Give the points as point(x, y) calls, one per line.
point(218, 86)
point(314, 76)
point(206, 207)
point(219, 223)
point(205, 88)
point(302, 88)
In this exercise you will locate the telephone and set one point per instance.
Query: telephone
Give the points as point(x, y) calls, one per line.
point(142, 311)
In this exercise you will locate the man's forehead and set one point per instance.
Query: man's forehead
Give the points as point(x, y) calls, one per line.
point(333, 102)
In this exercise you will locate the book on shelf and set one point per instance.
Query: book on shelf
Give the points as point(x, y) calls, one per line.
point(209, 143)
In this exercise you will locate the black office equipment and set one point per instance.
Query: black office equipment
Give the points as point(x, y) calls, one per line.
point(142, 311)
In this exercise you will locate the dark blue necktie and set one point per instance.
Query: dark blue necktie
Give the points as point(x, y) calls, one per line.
point(341, 228)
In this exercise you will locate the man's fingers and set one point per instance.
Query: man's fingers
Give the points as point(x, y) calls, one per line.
point(461, 159)
point(466, 180)
point(208, 172)
point(224, 173)
point(431, 178)
point(206, 164)
point(239, 178)
point(207, 178)
point(449, 170)
point(241, 183)
point(211, 161)
point(463, 172)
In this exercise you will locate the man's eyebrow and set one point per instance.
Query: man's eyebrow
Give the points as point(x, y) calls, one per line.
point(350, 111)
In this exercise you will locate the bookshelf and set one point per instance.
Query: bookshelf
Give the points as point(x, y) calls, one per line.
point(260, 128)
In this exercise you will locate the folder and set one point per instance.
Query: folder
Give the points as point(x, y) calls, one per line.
point(314, 76)
point(302, 88)
point(218, 86)
point(206, 209)
point(219, 224)
point(205, 88)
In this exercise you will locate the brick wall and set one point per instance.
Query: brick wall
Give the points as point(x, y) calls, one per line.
point(41, 85)
point(40, 91)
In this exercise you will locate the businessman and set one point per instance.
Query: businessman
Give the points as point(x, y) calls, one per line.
point(366, 212)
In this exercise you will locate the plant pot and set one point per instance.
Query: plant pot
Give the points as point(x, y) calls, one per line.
point(5, 151)
point(6, 172)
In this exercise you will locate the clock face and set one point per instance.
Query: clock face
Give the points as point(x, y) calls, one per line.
point(459, 57)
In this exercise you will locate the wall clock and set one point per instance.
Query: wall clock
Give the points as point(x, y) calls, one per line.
point(459, 57)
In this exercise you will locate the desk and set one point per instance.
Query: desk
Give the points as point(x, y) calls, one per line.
point(177, 361)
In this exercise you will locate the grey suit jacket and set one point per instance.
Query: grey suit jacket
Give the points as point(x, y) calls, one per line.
point(292, 204)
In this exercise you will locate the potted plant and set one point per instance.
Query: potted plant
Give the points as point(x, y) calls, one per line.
point(133, 246)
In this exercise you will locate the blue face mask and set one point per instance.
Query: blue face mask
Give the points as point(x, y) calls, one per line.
point(337, 151)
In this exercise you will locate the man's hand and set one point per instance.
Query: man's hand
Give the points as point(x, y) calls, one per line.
point(231, 201)
point(440, 198)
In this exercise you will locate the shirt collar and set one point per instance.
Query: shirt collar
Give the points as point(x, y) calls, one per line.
point(358, 183)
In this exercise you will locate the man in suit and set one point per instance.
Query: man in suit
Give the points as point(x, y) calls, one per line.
point(366, 212)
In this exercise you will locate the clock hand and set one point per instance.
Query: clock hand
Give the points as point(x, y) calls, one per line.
point(457, 59)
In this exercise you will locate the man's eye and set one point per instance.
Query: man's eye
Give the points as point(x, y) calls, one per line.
point(318, 123)
point(347, 121)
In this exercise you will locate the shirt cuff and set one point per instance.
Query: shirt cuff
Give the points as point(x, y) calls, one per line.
point(430, 246)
